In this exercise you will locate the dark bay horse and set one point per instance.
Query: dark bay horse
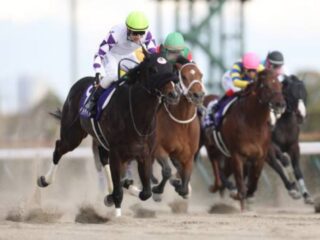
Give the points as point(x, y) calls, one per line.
point(128, 123)
point(246, 132)
point(178, 129)
point(285, 138)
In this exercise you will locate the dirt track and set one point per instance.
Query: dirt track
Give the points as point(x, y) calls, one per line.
point(26, 213)
point(271, 224)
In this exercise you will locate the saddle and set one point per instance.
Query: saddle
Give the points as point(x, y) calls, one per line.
point(217, 110)
point(103, 100)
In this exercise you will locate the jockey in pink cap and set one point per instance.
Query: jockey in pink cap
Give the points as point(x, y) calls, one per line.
point(242, 73)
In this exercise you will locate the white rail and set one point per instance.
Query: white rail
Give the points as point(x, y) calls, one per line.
point(307, 148)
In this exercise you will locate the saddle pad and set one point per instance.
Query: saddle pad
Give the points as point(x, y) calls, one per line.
point(101, 103)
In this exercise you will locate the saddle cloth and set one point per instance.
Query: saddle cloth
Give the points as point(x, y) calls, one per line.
point(217, 110)
point(101, 103)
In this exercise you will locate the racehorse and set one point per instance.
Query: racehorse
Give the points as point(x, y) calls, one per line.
point(246, 133)
point(285, 137)
point(127, 123)
point(178, 129)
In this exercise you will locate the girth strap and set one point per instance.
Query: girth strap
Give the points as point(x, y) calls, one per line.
point(99, 134)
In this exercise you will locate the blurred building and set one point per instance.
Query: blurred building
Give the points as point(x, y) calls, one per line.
point(30, 90)
point(22, 94)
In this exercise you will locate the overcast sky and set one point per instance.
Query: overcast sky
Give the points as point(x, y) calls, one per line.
point(35, 35)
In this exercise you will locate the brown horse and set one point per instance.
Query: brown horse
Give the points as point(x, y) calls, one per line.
point(246, 132)
point(178, 129)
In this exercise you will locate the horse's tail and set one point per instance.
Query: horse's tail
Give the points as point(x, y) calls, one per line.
point(56, 114)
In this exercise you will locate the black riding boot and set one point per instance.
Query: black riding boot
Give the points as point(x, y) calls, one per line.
point(92, 101)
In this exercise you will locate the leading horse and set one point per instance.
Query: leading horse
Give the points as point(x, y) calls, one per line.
point(246, 133)
point(127, 123)
point(178, 129)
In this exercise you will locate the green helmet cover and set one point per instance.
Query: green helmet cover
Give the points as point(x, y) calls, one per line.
point(174, 41)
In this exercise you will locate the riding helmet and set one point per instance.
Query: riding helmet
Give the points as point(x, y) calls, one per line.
point(137, 21)
point(174, 42)
point(275, 58)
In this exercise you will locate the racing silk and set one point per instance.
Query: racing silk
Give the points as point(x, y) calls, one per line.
point(186, 53)
point(118, 45)
point(239, 78)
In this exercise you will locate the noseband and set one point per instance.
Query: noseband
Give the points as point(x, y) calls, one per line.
point(185, 90)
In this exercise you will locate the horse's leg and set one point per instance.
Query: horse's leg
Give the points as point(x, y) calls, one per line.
point(225, 173)
point(117, 194)
point(184, 168)
point(70, 138)
point(166, 174)
point(215, 168)
point(274, 164)
point(104, 159)
point(284, 158)
point(145, 171)
point(254, 175)
point(294, 153)
point(237, 166)
point(99, 168)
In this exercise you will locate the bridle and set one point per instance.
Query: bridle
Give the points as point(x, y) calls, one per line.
point(185, 91)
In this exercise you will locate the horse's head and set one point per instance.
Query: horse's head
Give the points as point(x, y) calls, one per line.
point(269, 91)
point(295, 94)
point(190, 81)
point(156, 75)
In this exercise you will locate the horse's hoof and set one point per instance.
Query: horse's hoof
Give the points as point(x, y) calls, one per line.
point(108, 200)
point(144, 195)
point(294, 194)
point(127, 182)
point(308, 199)
point(182, 192)
point(214, 188)
point(186, 196)
point(156, 190)
point(157, 197)
point(175, 182)
point(42, 182)
point(234, 194)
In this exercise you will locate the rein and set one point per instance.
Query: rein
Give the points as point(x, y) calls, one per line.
point(178, 120)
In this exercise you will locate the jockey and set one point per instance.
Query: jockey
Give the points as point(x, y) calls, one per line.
point(242, 73)
point(275, 61)
point(173, 47)
point(120, 43)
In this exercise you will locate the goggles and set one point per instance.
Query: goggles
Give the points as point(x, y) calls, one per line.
point(136, 33)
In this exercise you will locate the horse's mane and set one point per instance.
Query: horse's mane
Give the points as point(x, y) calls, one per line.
point(134, 73)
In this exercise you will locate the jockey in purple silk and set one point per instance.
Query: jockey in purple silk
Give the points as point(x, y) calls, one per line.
point(120, 43)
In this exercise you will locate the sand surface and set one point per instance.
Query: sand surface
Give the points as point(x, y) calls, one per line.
point(72, 208)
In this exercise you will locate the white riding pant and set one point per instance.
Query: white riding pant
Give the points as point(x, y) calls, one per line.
point(227, 82)
point(110, 63)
